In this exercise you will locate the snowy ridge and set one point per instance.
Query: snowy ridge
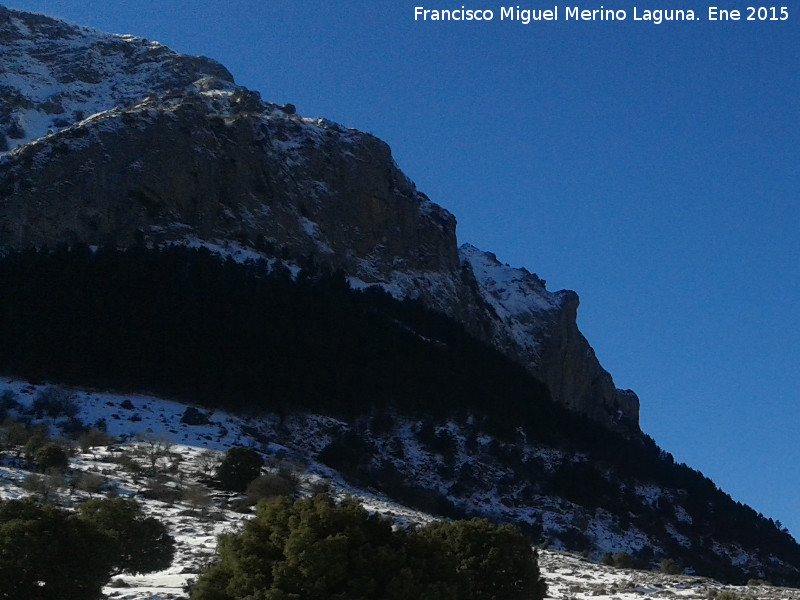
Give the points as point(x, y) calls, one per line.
point(518, 297)
point(53, 74)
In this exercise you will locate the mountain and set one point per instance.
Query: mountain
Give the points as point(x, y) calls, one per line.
point(148, 429)
point(145, 143)
point(165, 230)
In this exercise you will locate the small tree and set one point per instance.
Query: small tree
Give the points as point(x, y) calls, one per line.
point(92, 438)
point(315, 548)
point(54, 402)
point(155, 449)
point(197, 496)
point(49, 554)
point(51, 456)
point(239, 467)
point(269, 486)
point(623, 560)
point(139, 544)
point(488, 561)
point(208, 461)
point(670, 566)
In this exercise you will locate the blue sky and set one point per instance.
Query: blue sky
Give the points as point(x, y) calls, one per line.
point(654, 169)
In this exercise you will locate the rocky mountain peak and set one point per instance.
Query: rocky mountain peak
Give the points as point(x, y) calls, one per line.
point(117, 140)
point(53, 74)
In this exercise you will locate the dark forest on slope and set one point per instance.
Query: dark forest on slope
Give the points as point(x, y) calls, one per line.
point(189, 325)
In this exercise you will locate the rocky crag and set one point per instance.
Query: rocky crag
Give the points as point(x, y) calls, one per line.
point(110, 139)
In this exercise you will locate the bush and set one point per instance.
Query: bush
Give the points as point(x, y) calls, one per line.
point(90, 482)
point(269, 486)
point(197, 496)
point(51, 456)
point(35, 440)
point(239, 467)
point(50, 554)
point(138, 544)
point(13, 433)
point(670, 566)
point(47, 553)
point(607, 559)
point(54, 402)
point(488, 561)
point(92, 438)
point(314, 548)
point(623, 560)
point(44, 486)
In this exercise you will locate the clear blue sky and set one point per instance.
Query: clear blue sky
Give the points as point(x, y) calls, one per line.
point(654, 169)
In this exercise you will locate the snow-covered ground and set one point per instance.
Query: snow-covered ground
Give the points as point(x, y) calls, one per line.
point(149, 431)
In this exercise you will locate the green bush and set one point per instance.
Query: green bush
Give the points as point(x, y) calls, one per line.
point(670, 566)
point(49, 554)
point(314, 548)
point(271, 485)
point(139, 544)
point(51, 456)
point(623, 560)
point(239, 467)
point(488, 561)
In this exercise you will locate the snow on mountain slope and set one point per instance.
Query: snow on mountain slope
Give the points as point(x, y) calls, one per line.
point(196, 515)
point(54, 74)
point(518, 297)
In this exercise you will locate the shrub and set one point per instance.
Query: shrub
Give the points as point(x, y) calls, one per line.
point(607, 559)
point(90, 482)
point(54, 402)
point(48, 554)
point(51, 456)
point(35, 440)
point(670, 566)
point(138, 544)
point(239, 467)
point(623, 560)
point(93, 438)
point(269, 486)
point(43, 486)
point(13, 433)
point(314, 548)
point(197, 496)
point(208, 461)
point(488, 561)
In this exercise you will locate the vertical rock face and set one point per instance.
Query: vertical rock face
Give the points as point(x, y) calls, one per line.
point(183, 155)
point(539, 329)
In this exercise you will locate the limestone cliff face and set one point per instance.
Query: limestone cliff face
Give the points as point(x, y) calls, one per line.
point(539, 329)
point(208, 162)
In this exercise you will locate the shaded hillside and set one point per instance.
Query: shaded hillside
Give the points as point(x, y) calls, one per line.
point(186, 324)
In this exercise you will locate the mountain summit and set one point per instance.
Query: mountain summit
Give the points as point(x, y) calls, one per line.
point(164, 230)
point(115, 140)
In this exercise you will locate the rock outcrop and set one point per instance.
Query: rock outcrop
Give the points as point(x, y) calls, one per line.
point(195, 159)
